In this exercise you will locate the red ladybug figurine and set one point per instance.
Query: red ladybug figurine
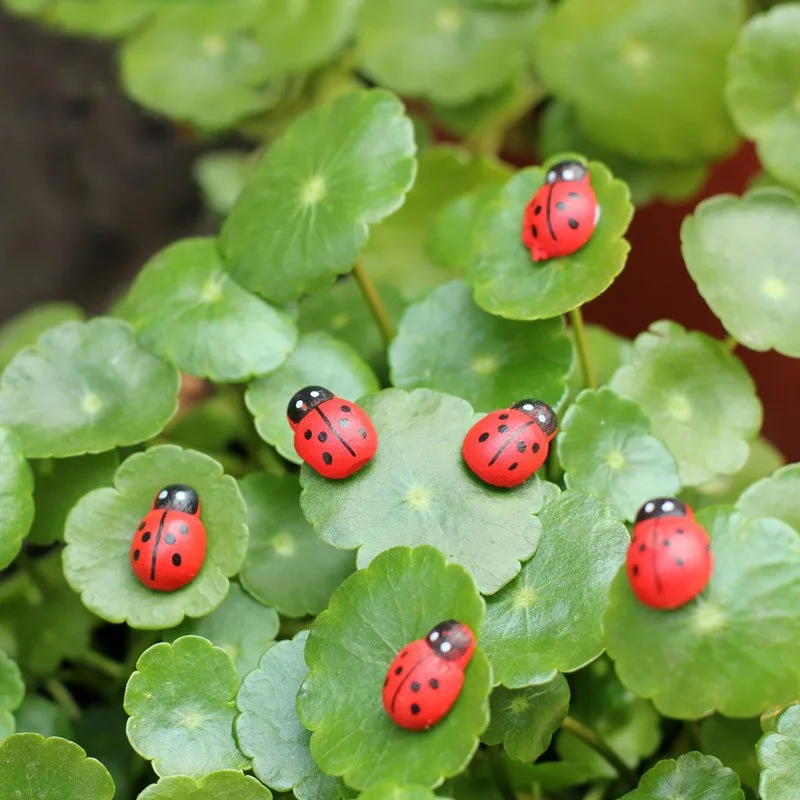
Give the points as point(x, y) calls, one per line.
point(169, 545)
point(669, 559)
point(562, 215)
point(332, 435)
point(506, 447)
point(425, 679)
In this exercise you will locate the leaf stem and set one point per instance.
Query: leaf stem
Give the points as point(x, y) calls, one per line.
point(102, 663)
point(500, 773)
point(588, 736)
point(63, 697)
point(375, 303)
point(581, 342)
point(730, 343)
point(32, 587)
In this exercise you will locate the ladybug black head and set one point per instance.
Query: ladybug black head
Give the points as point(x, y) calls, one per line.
point(566, 171)
point(451, 640)
point(660, 507)
point(305, 400)
point(540, 413)
point(178, 497)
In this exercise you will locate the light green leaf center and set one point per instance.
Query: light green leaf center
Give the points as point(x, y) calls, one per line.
point(679, 407)
point(449, 19)
point(774, 288)
point(314, 190)
point(616, 460)
point(283, 544)
point(91, 403)
point(518, 704)
point(485, 365)
point(418, 498)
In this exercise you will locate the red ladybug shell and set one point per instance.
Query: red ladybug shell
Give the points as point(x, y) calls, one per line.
point(669, 559)
point(506, 447)
point(562, 215)
point(332, 435)
point(425, 679)
point(169, 545)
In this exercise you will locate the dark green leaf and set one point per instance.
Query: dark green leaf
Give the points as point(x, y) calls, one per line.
point(318, 359)
point(243, 628)
point(777, 496)
point(779, 756)
point(101, 18)
point(287, 565)
point(524, 720)
point(371, 617)
point(186, 309)
point(101, 527)
point(692, 777)
point(509, 283)
point(269, 730)
point(417, 490)
point(12, 690)
point(24, 329)
point(181, 704)
point(700, 400)
point(736, 648)
point(304, 216)
point(606, 449)
point(645, 77)
point(81, 389)
point(219, 785)
point(733, 742)
point(35, 768)
point(549, 618)
point(489, 361)
point(16, 497)
point(722, 240)
point(39, 715)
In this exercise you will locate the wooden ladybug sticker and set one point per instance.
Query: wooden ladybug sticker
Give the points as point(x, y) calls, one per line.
point(332, 435)
point(669, 559)
point(506, 447)
point(169, 545)
point(562, 215)
point(425, 679)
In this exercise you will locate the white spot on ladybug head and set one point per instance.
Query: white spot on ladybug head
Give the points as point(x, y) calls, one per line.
point(668, 506)
point(299, 404)
point(449, 19)
point(434, 636)
point(162, 494)
point(568, 174)
point(552, 176)
point(650, 508)
point(314, 190)
point(527, 407)
point(180, 495)
point(542, 418)
point(446, 647)
point(315, 394)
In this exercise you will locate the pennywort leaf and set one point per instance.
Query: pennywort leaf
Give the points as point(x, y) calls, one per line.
point(25, 328)
point(214, 786)
point(776, 496)
point(779, 757)
point(16, 497)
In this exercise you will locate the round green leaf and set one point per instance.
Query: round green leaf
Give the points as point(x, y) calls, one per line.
point(16, 497)
point(489, 361)
point(371, 617)
point(243, 628)
point(549, 618)
point(198, 62)
point(181, 704)
point(304, 216)
point(24, 329)
point(524, 720)
point(559, 131)
point(12, 690)
point(417, 490)
point(59, 484)
point(706, 412)
point(736, 648)
point(340, 310)
point(692, 777)
point(35, 768)
point(508, 283)
point(777, 496)
point(449, 51)
point(269, 731)
point(386, 790)
point(82, 389)
point(628, 724)
point(214, 786)
point(396, 253)
point(763, 90)
point(318, 359)
point(287, 565)
point(101, 526)
point(43, 625)
point(606, 449)
point(779, 756)
point(645, 77)
point(39, 715)
point(733, 742)
point(100, 18)
point(723, 239)
point(221, 175)
point(186, 308)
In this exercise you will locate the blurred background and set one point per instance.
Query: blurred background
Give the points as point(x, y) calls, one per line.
point(91, 186)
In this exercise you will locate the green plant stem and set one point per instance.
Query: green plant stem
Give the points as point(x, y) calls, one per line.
point(588, 736)
point(730, 343)
point(91, 658)
point(579, 331)
point(500, 774)
point(597, 792)
point(32, 586)
point(17, 584)
point(375, 303)
point(63, 697)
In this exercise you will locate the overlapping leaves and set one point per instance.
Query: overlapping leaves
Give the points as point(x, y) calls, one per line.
point(16, 497)
point(779, 756)
point(223, 783)
point(776, 496)
point(693, 777)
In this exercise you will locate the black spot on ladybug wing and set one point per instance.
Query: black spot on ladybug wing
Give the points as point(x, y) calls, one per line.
point(146, 536)
point(135, 555)
point(679, 562)
point(398, 670)
point(322, 436)
point(503, 416)
point(414, 686)
point(536, 447)
point(327, 458)
point(176, 559)
point(561, 205)
point(483, 437)
point(573, 223)
point(346, 409)
point(642, 548)
point(513, 466)
point(141, 526)
point(183, 529)
point(521, 447)
point(415, 709)
point(573, 195)
point(537, 210)
point(433, 683)
point(362, 433)
point(170, 539)
point(535, 231)
point(307, 434)
point(502, 428)
point(636, 569)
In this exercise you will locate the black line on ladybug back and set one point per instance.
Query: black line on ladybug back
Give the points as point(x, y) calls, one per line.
point(550, 221)
point(155, 546)
point(509, 440)
point(408, 676)
point(335, 432)
point(654, 542)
